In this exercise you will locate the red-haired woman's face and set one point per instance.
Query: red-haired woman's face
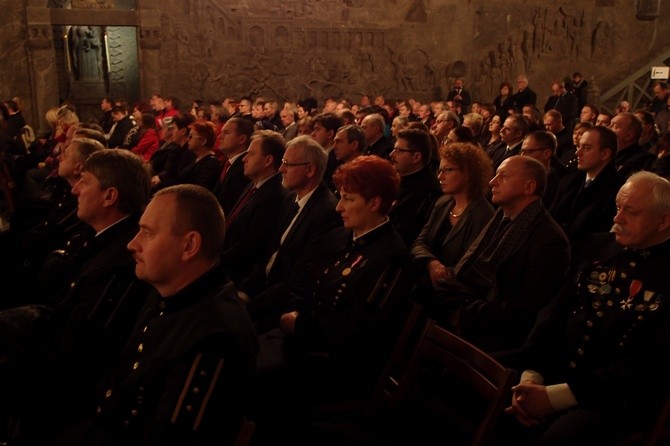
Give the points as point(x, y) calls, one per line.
point(357, 215)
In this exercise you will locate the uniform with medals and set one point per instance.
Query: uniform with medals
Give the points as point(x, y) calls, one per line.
point(607, 335)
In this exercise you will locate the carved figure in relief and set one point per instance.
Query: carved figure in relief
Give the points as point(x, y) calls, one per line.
point(87, 52)
point(601, 41)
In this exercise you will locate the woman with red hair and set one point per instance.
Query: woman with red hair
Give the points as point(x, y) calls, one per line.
point(206, 168)
point(346, 313)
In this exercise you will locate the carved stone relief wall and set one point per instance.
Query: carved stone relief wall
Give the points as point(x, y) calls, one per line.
point(399, 48)
point(292, 49)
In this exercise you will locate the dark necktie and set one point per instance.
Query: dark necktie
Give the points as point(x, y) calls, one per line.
point(242, 202)
point(224, 170)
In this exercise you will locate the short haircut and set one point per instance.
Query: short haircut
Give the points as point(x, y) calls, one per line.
point(243, 127)
point(119, 109)
point(544, 139)
point(86, 147)
point(451, 116)
point(606, 138)
point(593, 108)
point(473, 161)
point(634, 124)
point(476, 120)
point(369, 176)
point(311, 151)
point(272, 144)
point(464, 134)
point(377, 120)
point(205, 129)
point(535, 171)
point(92, 135)
point(519, 123)
point(329, 121)
point(660, 190)
point(583, 125)
point(347, 115)
point(355, 133)
point(183, 121)
point(124, 171)
point(197, 209)
point(554, 114)
point(419, 141)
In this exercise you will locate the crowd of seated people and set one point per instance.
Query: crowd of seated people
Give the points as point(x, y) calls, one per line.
point(249, 258)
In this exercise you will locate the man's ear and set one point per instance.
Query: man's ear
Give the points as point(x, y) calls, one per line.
point(111, 196)
point(192, 242)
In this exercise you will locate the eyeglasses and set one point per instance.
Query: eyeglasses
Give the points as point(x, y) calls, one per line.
point(400, 149)
point(194, 137)
point(445, 170)
point(287, 164)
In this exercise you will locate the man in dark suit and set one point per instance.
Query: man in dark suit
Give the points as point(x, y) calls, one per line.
point(541, 145)
point(584, 201)
point(306, 215)
point(553, 122)
point(419, 188)
point(378, 144)
point(524, 95)
point(234, 142)
point(251, 222)
point(512, 269)
point(630, 157)
point(565, 103)
point(587, 364)
point(460, 94)
point(512, 133)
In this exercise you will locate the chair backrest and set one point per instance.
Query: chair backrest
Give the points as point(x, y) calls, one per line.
point(245, 434)
point(462, 361)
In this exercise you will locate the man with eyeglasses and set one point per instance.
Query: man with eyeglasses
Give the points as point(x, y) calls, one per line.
point(307, 214)
point(419, 187)
point(541, 145)
point(512, 133)
point(444, 123)
point(585, 199)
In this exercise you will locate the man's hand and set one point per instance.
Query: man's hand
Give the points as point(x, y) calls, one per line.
point(530, 404)
point(287, 322)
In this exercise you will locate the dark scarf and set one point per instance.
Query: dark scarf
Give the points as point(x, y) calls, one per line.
point(477, 268)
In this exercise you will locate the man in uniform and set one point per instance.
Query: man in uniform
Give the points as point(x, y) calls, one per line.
point(596, 361)
point(185, 374)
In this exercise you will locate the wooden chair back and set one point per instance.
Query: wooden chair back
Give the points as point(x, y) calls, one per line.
point(461, 360)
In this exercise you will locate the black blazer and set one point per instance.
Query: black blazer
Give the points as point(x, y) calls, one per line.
point(432, 243)
point(230, 189)
point(582, 211)
point(411, 209)
point(248, 236)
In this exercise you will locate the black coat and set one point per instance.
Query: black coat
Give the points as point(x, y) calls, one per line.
point(185, 374)
point(269, 292)
point(248, 236)
point(581, 211)
point(230, 189)
point(415, 201)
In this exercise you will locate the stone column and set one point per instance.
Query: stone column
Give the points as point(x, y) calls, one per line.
point(149, 57)
point(42, 65)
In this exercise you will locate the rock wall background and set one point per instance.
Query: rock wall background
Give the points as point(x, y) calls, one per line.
point(291, 49)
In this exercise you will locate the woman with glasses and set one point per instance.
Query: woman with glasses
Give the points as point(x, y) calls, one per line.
point(458, 216)
point(206, 168)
